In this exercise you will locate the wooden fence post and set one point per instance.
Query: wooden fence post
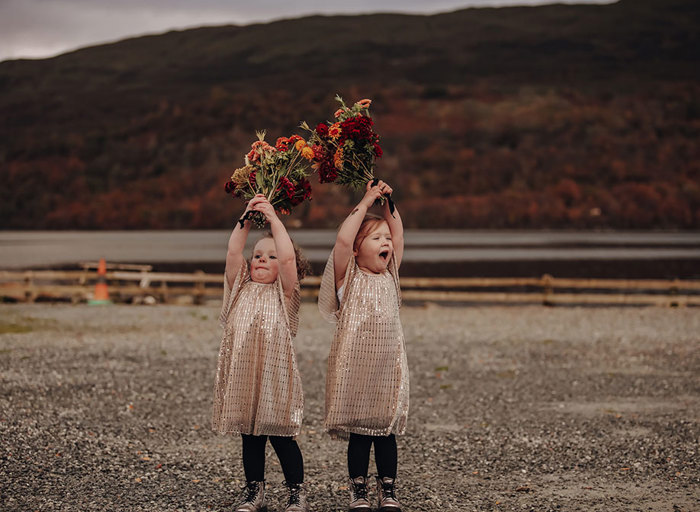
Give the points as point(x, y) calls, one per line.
point(29, 292)
point(164, 291)
point(673, 294)
point(199, 287)
point(547, 290)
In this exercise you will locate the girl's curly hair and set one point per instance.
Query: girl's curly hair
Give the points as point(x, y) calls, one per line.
point(303, 265)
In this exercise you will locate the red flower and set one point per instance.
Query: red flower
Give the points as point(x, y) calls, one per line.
point(322, 130)
point(251, 178)
point(302, 192)
point(282, 144)
point(327, 173)
point(357, 128)
point(286, 186)
point(334, 130)
point(253, 156)
point(230, 187)
point(319, 152)
point(378, 151)
point(306, 185)
point(293, 139)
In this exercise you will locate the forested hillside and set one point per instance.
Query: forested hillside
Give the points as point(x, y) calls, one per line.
point(531, 117)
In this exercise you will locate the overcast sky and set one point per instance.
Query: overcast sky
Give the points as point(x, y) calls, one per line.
point(44, 28)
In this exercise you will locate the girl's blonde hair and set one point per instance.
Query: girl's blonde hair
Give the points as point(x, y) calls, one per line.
point(303, 265)
point(369, 223)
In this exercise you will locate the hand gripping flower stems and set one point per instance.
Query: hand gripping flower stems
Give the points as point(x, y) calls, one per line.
point(387, 195)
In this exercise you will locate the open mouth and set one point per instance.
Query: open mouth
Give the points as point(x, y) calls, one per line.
point(384, 255)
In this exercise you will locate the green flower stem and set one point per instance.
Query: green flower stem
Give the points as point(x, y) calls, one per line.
point(286, 173)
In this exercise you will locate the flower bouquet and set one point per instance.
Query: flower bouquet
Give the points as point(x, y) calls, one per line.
point(279, 172)
point(345, 151)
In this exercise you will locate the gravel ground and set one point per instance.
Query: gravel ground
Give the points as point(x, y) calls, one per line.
point(512, 408)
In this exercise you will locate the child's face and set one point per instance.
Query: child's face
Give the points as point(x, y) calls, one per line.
point(376, 249)
point(264, 265)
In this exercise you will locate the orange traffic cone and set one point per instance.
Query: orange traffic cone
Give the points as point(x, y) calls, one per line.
point(101, 293)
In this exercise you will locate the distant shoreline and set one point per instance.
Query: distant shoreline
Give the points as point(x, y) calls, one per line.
point(429, 253)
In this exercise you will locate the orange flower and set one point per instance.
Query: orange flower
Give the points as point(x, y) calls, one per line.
point(338, 159)
point(364, 103)
point(334, 131)
point(307, 152)
point(299, 144)
point(338, 112)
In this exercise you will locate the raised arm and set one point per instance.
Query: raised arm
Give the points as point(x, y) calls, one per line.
point(284, 247)
point(236, 243)
point(395, 227)
point(348, 231)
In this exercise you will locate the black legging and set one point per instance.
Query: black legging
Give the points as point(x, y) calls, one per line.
point(287, 451)
point(385, 455)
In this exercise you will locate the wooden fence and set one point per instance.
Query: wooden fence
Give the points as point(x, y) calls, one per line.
point(138, 284)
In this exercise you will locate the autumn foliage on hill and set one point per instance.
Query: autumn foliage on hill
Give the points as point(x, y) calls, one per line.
point(480, 129)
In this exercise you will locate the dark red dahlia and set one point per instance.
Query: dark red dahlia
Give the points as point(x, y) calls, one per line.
point(322, 130)
point(327, 173)
point(286, 186)
point(302, 192)
point(306, 185)
point(357, 128)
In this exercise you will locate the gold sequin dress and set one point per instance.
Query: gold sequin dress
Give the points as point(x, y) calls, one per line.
point(367, 379)
point(258, 388)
